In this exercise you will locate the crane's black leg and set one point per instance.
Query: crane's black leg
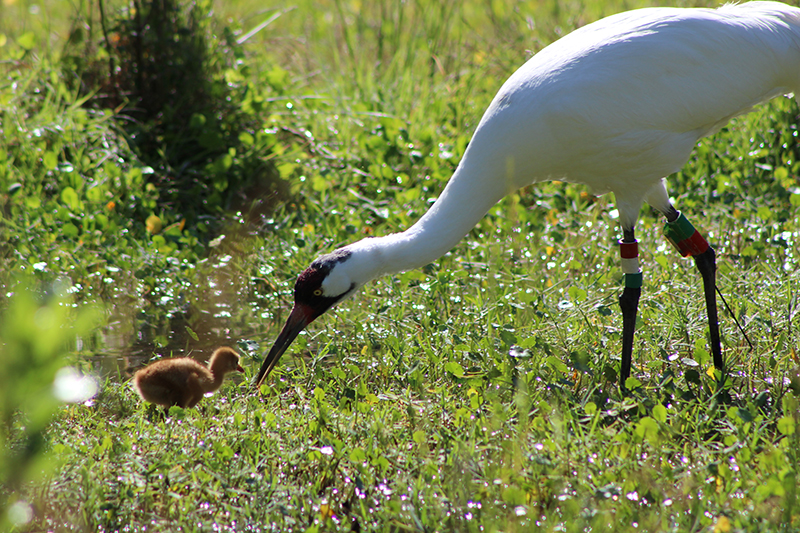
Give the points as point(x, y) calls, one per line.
point(707, 265)
point(629, 299)
point(680, 232)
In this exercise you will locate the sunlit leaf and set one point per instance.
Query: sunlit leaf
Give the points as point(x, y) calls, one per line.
point(50, 160)
point(153, 224)
point(192, 334)
point(27, 40)
point(647, 428)
point(454, 368)
point(70, 197)
point(660, 412)
point(557, 364)
point(69, 230)
point(786, 425)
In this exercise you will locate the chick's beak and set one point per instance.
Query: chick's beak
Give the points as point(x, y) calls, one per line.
point(299, 318)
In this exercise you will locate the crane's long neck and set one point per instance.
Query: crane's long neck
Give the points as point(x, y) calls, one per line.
point(465, 200)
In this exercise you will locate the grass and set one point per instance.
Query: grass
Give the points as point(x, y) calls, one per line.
point(476, 394)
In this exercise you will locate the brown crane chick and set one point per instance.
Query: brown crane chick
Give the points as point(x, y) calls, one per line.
point(183, 381)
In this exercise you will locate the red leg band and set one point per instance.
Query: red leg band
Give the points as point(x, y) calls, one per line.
point(628, 250)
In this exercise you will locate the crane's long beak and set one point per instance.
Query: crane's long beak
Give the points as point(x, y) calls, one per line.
point(299, 318)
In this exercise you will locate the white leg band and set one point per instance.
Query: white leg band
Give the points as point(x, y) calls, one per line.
point(630, 265)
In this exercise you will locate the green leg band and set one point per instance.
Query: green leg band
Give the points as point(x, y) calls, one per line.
point(678, 230)
point(684, 237)
point(633, 281)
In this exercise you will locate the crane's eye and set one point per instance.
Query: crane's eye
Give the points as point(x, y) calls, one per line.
point(318, 292)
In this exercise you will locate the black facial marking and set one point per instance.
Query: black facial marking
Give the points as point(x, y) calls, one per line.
point(308, 287)
point(326, 262)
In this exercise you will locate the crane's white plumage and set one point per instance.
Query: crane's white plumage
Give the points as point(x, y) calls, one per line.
point(618, 105)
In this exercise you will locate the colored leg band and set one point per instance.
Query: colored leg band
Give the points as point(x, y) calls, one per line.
point(630, 266)
point(633, 281)
point(684, 237)
point(629, 251)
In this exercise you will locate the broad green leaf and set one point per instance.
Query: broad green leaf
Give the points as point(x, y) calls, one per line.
point(94, 194)
point(786, 425)
point(647, 428)
point(69, 230)
point(50, 160)
point(632, 383)
point(27, 40)
point(358, 455)
point(557, 364)
point(454, 368)
point(660, 413)
point(70, 197)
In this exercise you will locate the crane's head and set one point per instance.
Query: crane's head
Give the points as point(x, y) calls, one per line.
point(330, 279)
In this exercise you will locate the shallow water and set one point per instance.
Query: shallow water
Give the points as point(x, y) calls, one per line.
point(221, 305)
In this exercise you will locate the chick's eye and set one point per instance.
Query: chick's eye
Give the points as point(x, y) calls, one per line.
point(318, 292)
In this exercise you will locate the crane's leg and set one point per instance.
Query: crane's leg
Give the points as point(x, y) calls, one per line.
point(688, 241)
point(629, 299)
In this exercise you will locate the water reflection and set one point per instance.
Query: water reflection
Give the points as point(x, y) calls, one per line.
point(218, 304)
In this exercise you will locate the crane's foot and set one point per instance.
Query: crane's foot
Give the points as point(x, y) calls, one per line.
point(682, 234)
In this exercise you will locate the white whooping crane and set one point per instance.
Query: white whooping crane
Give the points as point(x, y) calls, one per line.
point(618, 105)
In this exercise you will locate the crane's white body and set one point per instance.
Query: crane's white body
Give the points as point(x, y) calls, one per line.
point(618, 105)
